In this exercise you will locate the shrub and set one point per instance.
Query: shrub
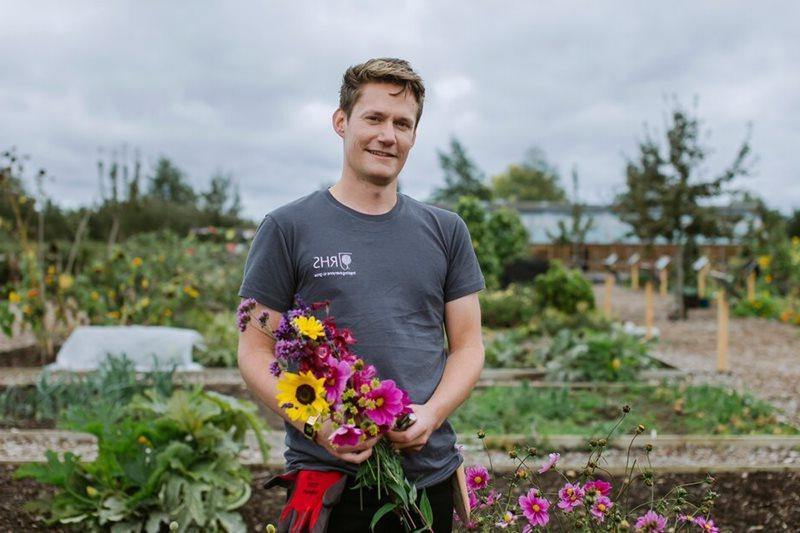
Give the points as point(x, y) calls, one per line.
point(763, 306)
point(511, 307)
point(563, 289)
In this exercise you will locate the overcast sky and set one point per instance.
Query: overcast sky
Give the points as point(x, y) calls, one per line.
point(249, 87)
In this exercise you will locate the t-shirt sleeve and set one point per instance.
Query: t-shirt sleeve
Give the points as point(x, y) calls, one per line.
point(463, 271)
point(268, 272)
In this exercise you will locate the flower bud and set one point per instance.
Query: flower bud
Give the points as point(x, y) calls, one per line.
point(173, 526)
point(481, 434)
point(639, 429)
point(512, 453)
point(626, 408)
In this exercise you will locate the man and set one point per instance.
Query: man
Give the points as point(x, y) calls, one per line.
point(395, 270)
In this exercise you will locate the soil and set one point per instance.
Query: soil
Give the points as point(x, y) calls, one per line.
point(763, 501)
point(25, 356)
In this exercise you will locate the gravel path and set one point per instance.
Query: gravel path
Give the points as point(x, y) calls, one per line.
point(763, 357)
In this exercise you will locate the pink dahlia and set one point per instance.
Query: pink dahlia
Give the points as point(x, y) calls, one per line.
point(706, 525)
point(477, 477)
point(336, 380)
point(597, 487)
point(384, 403)
point(570, 497)
point(552, 459)
point(600, 508)
point(534, 508)
point(650, 522)
point(346, 435)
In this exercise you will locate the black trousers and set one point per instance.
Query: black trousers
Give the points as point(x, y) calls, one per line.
point(348, 516)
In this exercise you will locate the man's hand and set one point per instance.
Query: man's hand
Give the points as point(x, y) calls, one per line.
point(351, 454)
point(416, 437)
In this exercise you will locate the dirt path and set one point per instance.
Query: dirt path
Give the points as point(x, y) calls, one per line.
point(763, 358)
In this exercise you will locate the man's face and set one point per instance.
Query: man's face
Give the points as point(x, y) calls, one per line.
point(379, 133)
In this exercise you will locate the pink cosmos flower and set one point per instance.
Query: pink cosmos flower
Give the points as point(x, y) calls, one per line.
point(477, 478)
point(552, 459)
point(597, 487)
point(493, 497)
point(650, 522)
point(346, 435)
point(508, 519)
point(601, 507)
point(571, 496)
point(364, 377)
point(388, 403)
point(473, 499)
point(534, 508)
point(706, 525)
point(336, 380)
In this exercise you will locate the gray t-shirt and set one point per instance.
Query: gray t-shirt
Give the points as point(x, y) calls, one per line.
point(388, 278)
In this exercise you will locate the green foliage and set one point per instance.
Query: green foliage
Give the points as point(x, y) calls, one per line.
point(461, 176)
point(763, 306)
point(669, 409)
point(563, 289)
point(510, 307)
point(596, 356)
point(162, 459)
point(550, 320)
point(513, 348)
point(508, 233)
point(476, 217)
point(221, 340)
point(534, 180)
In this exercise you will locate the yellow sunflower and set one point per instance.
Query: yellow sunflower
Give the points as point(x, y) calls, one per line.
point(309, 326)
point(301, 395)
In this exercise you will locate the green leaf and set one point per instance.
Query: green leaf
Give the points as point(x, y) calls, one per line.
point(425, 508)
point(232, 522)
point(387, 508)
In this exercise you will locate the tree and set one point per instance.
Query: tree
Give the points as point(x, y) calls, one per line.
point(222, 197)
point(534, 180)
point(579, 227)
point(794, 224)
point(668, 196)
point(169, 184)
point(475, 216)
point(461, 176)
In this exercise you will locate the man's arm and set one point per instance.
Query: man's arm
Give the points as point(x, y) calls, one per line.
point(462, 320)
point(256, 353)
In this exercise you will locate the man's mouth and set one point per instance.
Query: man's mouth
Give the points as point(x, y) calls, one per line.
point(381, 154)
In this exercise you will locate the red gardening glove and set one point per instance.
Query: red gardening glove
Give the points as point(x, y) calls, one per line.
point(313, 495)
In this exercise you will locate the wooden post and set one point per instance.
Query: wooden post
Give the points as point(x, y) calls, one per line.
point(648, 310)
point(751, 286)
point(701, 281)
point(635, 276)
point(607, 295)
point(663, 280)
point(722, 330)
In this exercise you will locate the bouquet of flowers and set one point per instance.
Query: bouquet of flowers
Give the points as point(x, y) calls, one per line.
point(320, 379)
point(586, 503)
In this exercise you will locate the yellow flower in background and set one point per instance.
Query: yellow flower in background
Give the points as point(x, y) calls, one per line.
point(113, 314)
point(91, 491)
point(768, 278)
point(144, 302)
point(190, 291)
point(136, 262)
point(230, 235)
point(309, 326)
point(145, 283)
point(764, 261)
point(301, 395)
point(23, 199)
point(168, 312)
point(616, 364)
point(65, 281)
point(94, 296)
point(26, 309)
point(795, 241)
point(51, 270)
point(14, 298)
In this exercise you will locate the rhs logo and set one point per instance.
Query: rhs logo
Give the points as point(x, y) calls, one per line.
point(338, 264)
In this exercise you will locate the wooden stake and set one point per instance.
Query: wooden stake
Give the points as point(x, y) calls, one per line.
point(663, 281)
point(607, 295)
point(648, 310)
point(751, 286)
point(635, 276)
point(722, 330)
point(701, 281)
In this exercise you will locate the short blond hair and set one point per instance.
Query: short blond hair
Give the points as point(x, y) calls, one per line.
point(380, 70)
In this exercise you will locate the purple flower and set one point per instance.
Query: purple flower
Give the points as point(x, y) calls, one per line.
point(384, 403)
point(493, 497)
point(597, 487)
point(706, 525)
point(285, 329)
point(473, 499)
point(477, 477)
point(650, 522)
point(336, 380)
point(600, 508)
point(263, 317)
point(552, 459)
point(570, 497)
point(275, 369)
point(289, 350)
point(347, 435)
point(241, 321)
point(534, 508)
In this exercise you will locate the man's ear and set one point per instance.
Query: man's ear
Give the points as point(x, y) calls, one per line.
point(339, 120)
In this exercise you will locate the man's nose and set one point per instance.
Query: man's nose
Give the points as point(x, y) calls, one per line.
point(386, 134)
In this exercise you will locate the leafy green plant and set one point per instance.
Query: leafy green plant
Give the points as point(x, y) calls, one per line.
point(511, 307)
point(596, 356)
point(763, 305)
point(563, 289)
point(221, 339)
point(513, 348)
point(550, 320)
point(161, 460)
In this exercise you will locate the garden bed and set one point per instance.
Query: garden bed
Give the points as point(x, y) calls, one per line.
point(745, 500)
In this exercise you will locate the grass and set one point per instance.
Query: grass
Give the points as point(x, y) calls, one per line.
point(669, 409)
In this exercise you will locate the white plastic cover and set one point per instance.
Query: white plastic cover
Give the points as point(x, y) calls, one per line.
point(88, 346)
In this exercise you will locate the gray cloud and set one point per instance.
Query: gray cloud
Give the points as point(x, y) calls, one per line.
point(249, 87)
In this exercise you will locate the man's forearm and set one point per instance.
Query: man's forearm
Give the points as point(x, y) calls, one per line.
point(461, 372)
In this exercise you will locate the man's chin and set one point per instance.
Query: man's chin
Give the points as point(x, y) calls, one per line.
point(380, 180)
